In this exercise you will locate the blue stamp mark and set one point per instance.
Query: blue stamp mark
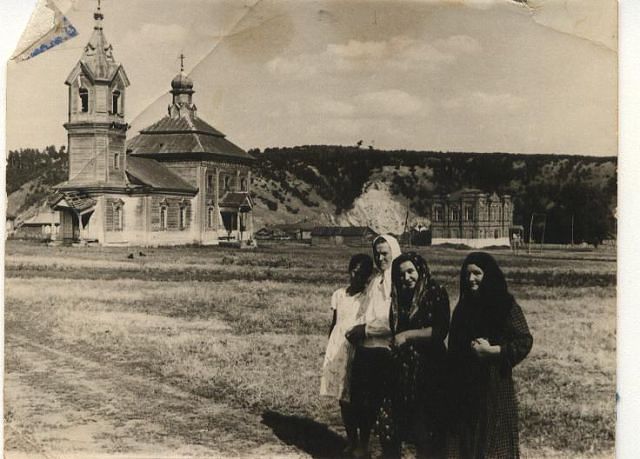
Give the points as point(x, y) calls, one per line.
point(61, 35)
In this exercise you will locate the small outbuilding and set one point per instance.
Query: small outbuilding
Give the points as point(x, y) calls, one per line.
point(44, 225)
point(342, 235)
point(299, 231)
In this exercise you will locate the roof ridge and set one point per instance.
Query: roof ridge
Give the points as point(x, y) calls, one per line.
point(195, 134)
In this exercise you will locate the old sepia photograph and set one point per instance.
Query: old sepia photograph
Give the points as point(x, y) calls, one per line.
point(312, 229)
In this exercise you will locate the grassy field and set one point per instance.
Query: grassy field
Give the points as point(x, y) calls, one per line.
point(217, 353)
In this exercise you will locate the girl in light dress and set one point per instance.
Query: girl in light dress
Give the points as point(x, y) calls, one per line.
point(347, 307)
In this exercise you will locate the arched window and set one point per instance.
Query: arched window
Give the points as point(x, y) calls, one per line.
point(438, 214)
point(210, 217)
point(243, 184)
point(469, 213)
point(118, 217)
point(115, 98)
point(183, 216)
point(84, 99)
point(455, 214)
point(163, 217)
point(226, 183)
point(116, 160)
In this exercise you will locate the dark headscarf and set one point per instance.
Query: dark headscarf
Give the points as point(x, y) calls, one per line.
point(420, 290)
point(491, 305)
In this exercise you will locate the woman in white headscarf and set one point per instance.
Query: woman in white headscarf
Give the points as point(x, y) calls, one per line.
point(372, 364)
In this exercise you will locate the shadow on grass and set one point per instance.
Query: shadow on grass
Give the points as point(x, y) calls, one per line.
point(310, 436)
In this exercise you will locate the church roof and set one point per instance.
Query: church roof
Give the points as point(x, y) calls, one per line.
point(147, 172)
point(236, 199)
point(183, 124)
point(97, 58)
point(72, 199)
point(465, 192)
point(183, 135)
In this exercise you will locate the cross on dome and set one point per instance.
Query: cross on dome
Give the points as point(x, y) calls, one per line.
point(98, 16)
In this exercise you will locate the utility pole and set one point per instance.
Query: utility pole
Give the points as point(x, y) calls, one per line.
point(530, 234)
point(572, 215)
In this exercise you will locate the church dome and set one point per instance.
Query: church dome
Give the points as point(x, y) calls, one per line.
point(181, 82)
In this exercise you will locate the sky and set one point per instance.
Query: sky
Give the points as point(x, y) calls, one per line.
point(478, 76)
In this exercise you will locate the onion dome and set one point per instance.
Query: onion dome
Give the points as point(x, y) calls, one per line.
point(181, 83)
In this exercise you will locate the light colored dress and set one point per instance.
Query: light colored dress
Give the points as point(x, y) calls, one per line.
point(336, 381)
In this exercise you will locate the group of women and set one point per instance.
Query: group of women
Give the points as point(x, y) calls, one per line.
point(400, 367)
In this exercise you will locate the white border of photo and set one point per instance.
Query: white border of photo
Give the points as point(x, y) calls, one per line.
point(14, 15)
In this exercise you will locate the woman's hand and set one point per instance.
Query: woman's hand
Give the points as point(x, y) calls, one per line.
point(401, 338)
point(356, 334)
point(483, 349)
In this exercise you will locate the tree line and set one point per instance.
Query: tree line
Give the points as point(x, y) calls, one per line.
point(573, 196)
point(51, 165)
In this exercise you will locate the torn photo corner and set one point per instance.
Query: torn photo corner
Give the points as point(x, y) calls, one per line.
point(48, 27)
point(188, 180)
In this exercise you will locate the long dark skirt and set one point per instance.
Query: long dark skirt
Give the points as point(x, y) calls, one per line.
point(486, 427)
point(413, 409)
point(370, 376)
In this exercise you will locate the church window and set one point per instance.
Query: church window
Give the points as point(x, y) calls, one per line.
point(455, 214)
point(211, 217)
point(438, 214)
point(84, 99)
point(494, 214)
point(118, 217)
point(115, 98)
point(116, 161)
point(183, 217)
point(163, 217)
point(209, 182)
point(468, 213)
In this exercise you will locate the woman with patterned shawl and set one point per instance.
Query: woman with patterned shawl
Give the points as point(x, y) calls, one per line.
point(488, 337)
point(419, 320)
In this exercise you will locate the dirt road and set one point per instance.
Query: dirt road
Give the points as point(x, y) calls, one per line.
point(61, 404)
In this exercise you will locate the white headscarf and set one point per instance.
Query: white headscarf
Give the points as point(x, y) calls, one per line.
point(378, 300)
point(395, 253)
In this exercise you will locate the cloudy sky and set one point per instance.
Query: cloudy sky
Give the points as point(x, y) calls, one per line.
point(449, 75)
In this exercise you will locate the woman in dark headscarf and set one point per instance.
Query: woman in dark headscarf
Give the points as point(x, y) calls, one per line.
point(419, 322)
point(488, 337)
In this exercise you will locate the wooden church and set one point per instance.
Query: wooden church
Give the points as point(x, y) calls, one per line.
point(180, 181)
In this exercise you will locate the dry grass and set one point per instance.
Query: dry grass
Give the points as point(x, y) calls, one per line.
point(247, 330)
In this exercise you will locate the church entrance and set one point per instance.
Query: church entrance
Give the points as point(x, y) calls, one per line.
point(230, 221)
point(70, 226)
point(235, 212)
point(235, 224)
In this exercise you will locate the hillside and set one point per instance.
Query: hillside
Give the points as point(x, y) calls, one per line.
point(353, 186)
point(562, 187)
point(30, 175)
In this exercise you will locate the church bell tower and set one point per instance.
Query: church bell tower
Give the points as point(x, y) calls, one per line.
point(96, 127)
